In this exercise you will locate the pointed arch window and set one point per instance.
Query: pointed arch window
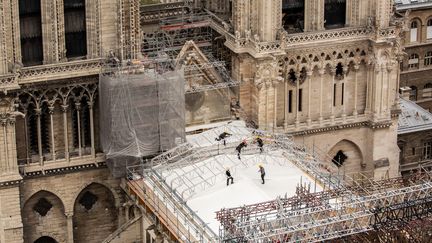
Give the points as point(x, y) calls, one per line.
point(334, 14)
point(31, 32)
point(75, 28)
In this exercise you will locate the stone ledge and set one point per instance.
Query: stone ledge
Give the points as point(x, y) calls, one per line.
point(64, 170)
point(10, 183)
point(373, 125)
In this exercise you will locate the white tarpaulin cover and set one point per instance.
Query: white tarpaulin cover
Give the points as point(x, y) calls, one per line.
point(142, 113)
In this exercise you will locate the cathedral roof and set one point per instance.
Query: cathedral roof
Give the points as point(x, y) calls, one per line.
point(413, 118)
point(412, 4)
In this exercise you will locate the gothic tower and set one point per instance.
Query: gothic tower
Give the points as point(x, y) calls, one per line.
point(325, 71)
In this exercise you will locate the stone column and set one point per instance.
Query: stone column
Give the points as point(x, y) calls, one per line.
point(92, 27)
point(297, 122)
point(78, 111)
point(274, 85)
point(389, 89)
point(261, 104)
point(14, 43)
point(65, 131)
point(61, 45)
point(286, 104)
point(92, 136)
point(345, 87)
point(3, 52)
point(383, 83)
point(69, 227)
point(8, 155)
point(319, 21)
point(38, 112)
point(269, 14)
point(26, 132)
point(332, 73)
point(309, 81)
point(53, 152)
point(370, 71)
point(7, 166)
point(49, 31)
point(356, 69)
point(376, 88)
point(321, 74)
point(267, 102)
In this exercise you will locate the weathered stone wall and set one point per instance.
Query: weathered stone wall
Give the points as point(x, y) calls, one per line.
point(93, 222)
point(362, 146)
point(45, 223)
point(78, 223)
point(11, 230)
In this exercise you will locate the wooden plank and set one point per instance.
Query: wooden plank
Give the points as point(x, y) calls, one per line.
point(152, 202)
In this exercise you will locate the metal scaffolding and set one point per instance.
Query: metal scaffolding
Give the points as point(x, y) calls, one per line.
point(350, 205)
point(176, 175)
point(331, 214)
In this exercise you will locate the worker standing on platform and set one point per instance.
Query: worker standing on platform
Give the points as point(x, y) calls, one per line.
point(229, 177)
point(240, 147)
point(262, 171)
point(260, 143)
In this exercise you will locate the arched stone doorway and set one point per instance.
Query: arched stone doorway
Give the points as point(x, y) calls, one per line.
point(347, 156)
point(95, 215)
point(45, 239)
point(43, 214)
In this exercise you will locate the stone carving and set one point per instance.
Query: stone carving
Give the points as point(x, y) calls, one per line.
point(248, 34)
point(256, 38)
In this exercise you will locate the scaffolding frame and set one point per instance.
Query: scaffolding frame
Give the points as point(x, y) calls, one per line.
point(176, 175)
point(339, 213)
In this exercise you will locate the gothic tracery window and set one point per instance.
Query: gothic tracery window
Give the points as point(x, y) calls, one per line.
point(31, 32)
point(293, 15)
point(75, 28)
point(334, 14)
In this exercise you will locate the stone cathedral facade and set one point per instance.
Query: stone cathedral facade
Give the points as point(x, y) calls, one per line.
point(325, 71)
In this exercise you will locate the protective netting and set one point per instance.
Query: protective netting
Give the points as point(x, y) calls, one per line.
point(142, 113)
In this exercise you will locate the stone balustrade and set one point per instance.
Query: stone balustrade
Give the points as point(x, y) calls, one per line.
point(290, 40)
point(256, 49)
point(48, 72)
